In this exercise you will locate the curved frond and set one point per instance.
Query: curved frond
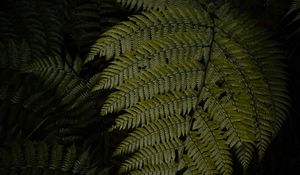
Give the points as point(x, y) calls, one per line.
point(128, 35)
point(42, 97)
point(199, 156)
point(157, 52)
point(164, 168)
point(90, 18)
point(156, 155)
point(144, 4)
point(72, 90)
point(225, 70)
point(162, 106)
point(213, 138)
point(41, 158)
point(162, 131)
point(37, 22)
point(151, 82)
point(261, 74)
point(155, 4)
point(294, 12)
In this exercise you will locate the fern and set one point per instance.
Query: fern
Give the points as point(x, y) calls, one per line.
point(207, 79)
point(213, 137)
point(160, 153)
point(163, 106)
point(70, 89)
point(36, 22)
point(16, 94)
point(43, 97)
point(51, 98)
point(182, 87)
point(291, 18)
point(120, 39)
point(39, 157)
point(164, 168)
point(88, 19)
point(14, 56)
point(175, 49)
point(161, 131)
point(199, 156)
point(152, 82)
point(294, 8)
point(154, 4)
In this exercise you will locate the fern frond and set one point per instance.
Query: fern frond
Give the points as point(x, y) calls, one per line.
point(146, 4)
point(155, 81)
point(6, 27)
point(19, 91)
point(121, 38)
point(47, 93)
point(72, 90)
point(295, 5)
point(155, 4)
point(245, 122)
point(200, 156)
point(162, 131)
point(36, 22)
point(56, 158)
point(240, 100)
point(266, 61)
point(14, 56)
point(158, 154)
point(51, 70)
point(214, 139)
point(239, 107)
point(157, 52)
point(90, 18)
point(221, 110)
point(82, 163)
point(294, 9)
point(162, 106)
point(56, 74)
point(41, 157)
point(70, 158)
point(164, 168)
point(50, 16)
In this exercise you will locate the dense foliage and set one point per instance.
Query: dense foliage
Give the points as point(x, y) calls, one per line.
point(144, 86)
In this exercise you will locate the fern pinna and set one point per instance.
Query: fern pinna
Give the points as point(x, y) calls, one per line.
point(40, 158)
point(196, 87)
